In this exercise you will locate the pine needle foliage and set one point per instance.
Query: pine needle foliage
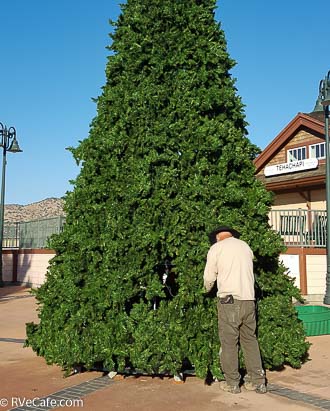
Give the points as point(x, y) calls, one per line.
point(167, 159)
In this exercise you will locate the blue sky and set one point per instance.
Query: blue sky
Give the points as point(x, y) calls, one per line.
point(53, 58)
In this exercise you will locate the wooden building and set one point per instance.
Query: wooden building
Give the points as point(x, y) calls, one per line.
point(292, 166)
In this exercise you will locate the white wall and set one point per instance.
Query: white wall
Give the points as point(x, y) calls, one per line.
point(32, 268)
point(316, 267)
point(291, 262)
point(7, 267)
point(316, 273)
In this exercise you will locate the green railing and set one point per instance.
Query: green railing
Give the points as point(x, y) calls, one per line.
point(300, 228)
point(31, 234)
point(10, 235)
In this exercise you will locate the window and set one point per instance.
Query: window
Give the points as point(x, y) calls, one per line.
point(296, 154)
point(317, 150)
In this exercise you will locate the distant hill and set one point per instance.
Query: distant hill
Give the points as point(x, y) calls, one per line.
point(51, 207)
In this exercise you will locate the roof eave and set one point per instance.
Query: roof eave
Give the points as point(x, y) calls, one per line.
point(300, 120)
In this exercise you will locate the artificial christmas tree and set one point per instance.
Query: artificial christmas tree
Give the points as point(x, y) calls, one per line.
point(167, 160)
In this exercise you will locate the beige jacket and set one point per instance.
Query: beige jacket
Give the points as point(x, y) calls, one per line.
point(230, 263)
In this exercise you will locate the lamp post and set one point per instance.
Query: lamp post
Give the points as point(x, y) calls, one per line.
point(325, 101)
point(10, 144)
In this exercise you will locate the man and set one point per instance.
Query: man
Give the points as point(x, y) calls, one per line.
point(230, 264)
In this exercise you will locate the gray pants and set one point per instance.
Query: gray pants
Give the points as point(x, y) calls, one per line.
point(237, 325)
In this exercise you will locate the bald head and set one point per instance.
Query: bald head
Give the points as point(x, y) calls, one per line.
point(223, 235)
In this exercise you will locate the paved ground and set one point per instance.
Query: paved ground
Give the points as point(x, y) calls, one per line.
point(25, 378)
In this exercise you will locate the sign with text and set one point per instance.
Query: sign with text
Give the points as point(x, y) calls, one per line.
point(291, 167)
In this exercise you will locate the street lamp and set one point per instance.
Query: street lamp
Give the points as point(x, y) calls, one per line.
point(325, 101)
point(10, 144)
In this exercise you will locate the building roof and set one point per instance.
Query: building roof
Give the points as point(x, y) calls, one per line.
point(313, 122)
